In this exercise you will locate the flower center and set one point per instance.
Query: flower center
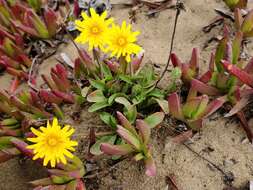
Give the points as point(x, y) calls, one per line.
point(95, 30)
point(52, 142)
point(122, 41)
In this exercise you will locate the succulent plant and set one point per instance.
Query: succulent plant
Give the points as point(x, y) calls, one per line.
point(195, 109)
point(67, 176)
point(135, 142)
point(232, 4)
point(244, 24)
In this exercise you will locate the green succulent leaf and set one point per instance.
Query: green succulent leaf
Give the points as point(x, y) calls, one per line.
point(98, 106)
point(112, 98)
point(106, 72)
point(130, 110)
point(95, 149)
point(221, 53)
point(163, 104)
point(98, 84)
point(96, 96)
point(85, 91)
point(191, 107)
point(108, 119)
point(5, 142)
point(156, 93)
point(247, 25)
point(154, 119)
point(125, 78)
point(131, 113)
point(123, 101)
point(236, 47)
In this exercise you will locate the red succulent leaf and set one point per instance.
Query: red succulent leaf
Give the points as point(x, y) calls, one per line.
point(67, 97)
point(21, 146)
point(114, 66)
point(14, 84)
point(5, 33)
point(77, 9)
point(194, 62)
point(206, 77)
point(240, 74)
point(49, 97)
point(144, 130)
point(214, 106)
point(126, 124)
point(175, 60)
point(58, 82)
point(86, 60)
point(49, 82)
point(51, 21)
point(204, 88)
point(119, 150)
point(175, 106)
point(136, 62)
point(24, 28)
point(150, 167)
point(238, 18)
point(8, 62)
point(129, 137)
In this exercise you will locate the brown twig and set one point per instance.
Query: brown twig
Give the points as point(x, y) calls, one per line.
point(205, 159)
point(179, 7)
point(31, 72)
point(245, 125)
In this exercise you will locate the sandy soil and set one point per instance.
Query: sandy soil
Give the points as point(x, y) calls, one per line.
point(221, 141)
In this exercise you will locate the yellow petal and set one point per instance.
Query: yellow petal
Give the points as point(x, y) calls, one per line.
point(55, 122)
point(36, 132)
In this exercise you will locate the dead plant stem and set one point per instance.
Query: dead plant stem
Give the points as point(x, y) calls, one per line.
point(179, 6)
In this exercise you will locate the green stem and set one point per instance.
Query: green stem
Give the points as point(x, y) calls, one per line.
point(123, 64)
point(97, 58)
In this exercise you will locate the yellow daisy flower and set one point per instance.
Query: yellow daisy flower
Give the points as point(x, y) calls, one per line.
point(121, 41)
point(93, 29)
point(53, 143)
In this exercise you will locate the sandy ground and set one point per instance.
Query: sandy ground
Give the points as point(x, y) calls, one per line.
point(220, 141)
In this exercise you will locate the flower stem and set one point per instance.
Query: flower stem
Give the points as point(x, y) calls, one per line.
point(97, 58)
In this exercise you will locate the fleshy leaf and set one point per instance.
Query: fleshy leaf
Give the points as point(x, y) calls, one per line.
point(247, 25)
point(175, 106)
point(119, 150)
point(96, 96)
point(240, 74)
point(204, 88)
point(150, 167)
point(194, 62)
point(125, 123)
point(163, 104)
point(95, 149)
point(108, 119)
point(129, 137)
point(144, 129)
point(98, 106)
point(155, 119)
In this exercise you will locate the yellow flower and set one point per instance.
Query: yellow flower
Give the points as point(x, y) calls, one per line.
point(121, 41)
point(93, 29)
point(52, 143)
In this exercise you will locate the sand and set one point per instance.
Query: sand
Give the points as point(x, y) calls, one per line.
point(220, 141)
